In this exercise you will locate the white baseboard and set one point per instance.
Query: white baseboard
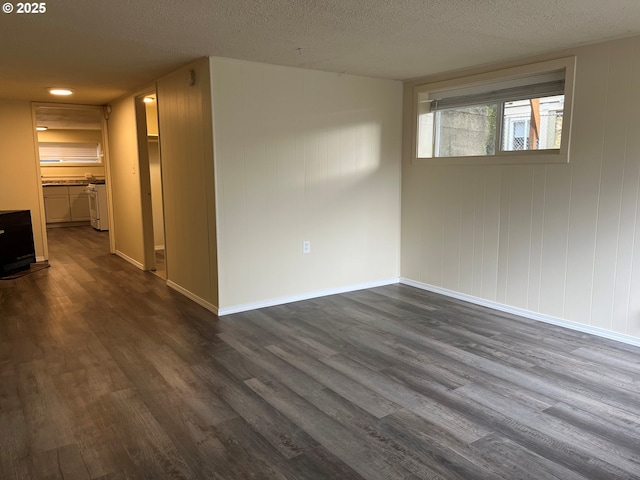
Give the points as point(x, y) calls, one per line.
point(159, 247)
point(41, 259)
point(130, 260)
point(191, 296)
point(304, 296)
point(600, 332)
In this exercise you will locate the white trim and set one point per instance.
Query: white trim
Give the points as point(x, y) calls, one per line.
point(133, 262)
point(192, 296)
point(159, 247)
point(41, 259)
point(600, 332)
point(306, 296)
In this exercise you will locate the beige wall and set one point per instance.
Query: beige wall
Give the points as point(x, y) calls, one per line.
point(184, 115)
point(156, 174)
point(156, 194)
point(560, 240)
point(304, 155)
point(125, 180)
point(19, 183)
point(152, 118)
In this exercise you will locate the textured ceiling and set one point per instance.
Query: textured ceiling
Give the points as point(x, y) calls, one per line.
point(105, 48)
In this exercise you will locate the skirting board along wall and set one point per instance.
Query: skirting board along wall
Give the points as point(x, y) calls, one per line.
point(525, 313)
point(193, 297)
point(133, 262)
point(405, 281)
point(306, 296)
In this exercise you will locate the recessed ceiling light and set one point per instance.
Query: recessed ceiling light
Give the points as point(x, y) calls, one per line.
point(60, 91)
point(148, 99)
point(42, 129)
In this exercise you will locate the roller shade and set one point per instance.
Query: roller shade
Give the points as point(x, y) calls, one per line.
point(545, 85)
point(504, 95)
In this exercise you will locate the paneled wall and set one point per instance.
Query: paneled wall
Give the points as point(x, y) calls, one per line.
point(19, 182)
point(186, 146)
point(560, 240)
point(304, 155)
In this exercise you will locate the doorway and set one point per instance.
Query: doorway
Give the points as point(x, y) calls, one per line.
point(151, 182)
point(72, 155)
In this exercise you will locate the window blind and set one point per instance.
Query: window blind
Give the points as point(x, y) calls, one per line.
point(505, 95)
point(536, 86)
point(54, 152)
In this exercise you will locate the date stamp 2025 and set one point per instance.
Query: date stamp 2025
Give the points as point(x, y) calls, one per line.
point(24, 8)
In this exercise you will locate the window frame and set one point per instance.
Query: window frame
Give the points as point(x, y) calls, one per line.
point(502, 157)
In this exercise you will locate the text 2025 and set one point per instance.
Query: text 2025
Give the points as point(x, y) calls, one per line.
point(31, 7)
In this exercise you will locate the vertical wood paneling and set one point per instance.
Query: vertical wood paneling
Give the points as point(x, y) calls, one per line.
point(478, 231)
point(616, 117)
point(629, 321)
point(434, 228)
point(503, 239)
point(452, 232)
point(561, 240)
point(491, 242)
point(537, 232)
point(630, 188)
point(304, 155)
point(414, 229)
point(586, 152)
point(467, 229)
point(518, 271)
point(184, 115)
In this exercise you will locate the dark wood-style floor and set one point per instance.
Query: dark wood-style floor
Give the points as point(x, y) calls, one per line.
point(106, 373)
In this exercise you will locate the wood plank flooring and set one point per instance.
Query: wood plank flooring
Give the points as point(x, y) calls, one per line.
point(105, 373)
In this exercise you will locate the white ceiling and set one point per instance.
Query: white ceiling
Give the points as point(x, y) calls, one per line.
point(105, 48)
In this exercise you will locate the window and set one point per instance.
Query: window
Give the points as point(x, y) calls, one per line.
point(58, 153)
point(519, 115)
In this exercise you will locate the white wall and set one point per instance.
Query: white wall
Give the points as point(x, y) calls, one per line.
point(560, 240)
point(304, 155)
point(19, 181)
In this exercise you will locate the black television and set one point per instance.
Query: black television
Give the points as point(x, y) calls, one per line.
point(17, 251)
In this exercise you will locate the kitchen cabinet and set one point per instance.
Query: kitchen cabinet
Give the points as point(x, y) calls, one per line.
point(56, 204)
point(79, 204)
point(64, 204)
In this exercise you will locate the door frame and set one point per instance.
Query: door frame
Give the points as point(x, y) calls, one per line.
point(148, 244)
point(107, 167)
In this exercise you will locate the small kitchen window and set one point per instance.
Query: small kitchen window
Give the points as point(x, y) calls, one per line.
point(517, 115)
point(59, 153)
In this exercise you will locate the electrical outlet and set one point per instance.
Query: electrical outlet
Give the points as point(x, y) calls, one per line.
point(306, 246)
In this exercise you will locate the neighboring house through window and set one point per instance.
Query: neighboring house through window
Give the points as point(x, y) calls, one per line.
point(517, 115)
